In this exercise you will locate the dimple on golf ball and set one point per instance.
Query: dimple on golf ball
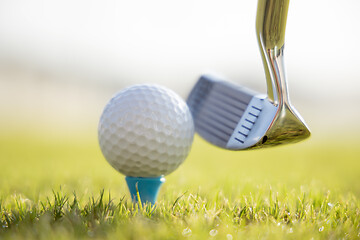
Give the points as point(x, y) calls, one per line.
point(146, 131)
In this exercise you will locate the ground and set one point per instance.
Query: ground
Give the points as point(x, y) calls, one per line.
point(59, 186)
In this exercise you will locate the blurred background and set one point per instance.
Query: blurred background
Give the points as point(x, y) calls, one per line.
point(61, 61)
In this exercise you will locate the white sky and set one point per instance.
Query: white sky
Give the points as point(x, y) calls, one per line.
point(172, 42)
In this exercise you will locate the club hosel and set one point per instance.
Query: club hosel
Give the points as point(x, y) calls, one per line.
point(270, 30)
point(277, 76)
point(287, 126)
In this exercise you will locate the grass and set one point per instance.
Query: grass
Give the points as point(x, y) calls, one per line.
point(60, 187)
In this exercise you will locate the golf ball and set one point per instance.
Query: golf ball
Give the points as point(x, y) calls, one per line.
point(146, 131)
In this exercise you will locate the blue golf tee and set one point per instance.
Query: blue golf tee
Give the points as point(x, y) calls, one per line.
point(148, 188)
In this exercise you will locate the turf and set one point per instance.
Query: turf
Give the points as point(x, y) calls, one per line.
point(60, 187)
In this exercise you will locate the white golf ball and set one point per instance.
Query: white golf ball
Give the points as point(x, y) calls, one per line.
point(146, 131)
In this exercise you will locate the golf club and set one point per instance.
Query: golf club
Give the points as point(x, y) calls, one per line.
point(236, 118)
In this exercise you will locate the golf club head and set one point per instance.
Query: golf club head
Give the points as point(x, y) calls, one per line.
point(237, 118)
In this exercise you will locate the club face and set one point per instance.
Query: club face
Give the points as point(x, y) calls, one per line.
point(237, 118)
point(229, 116)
